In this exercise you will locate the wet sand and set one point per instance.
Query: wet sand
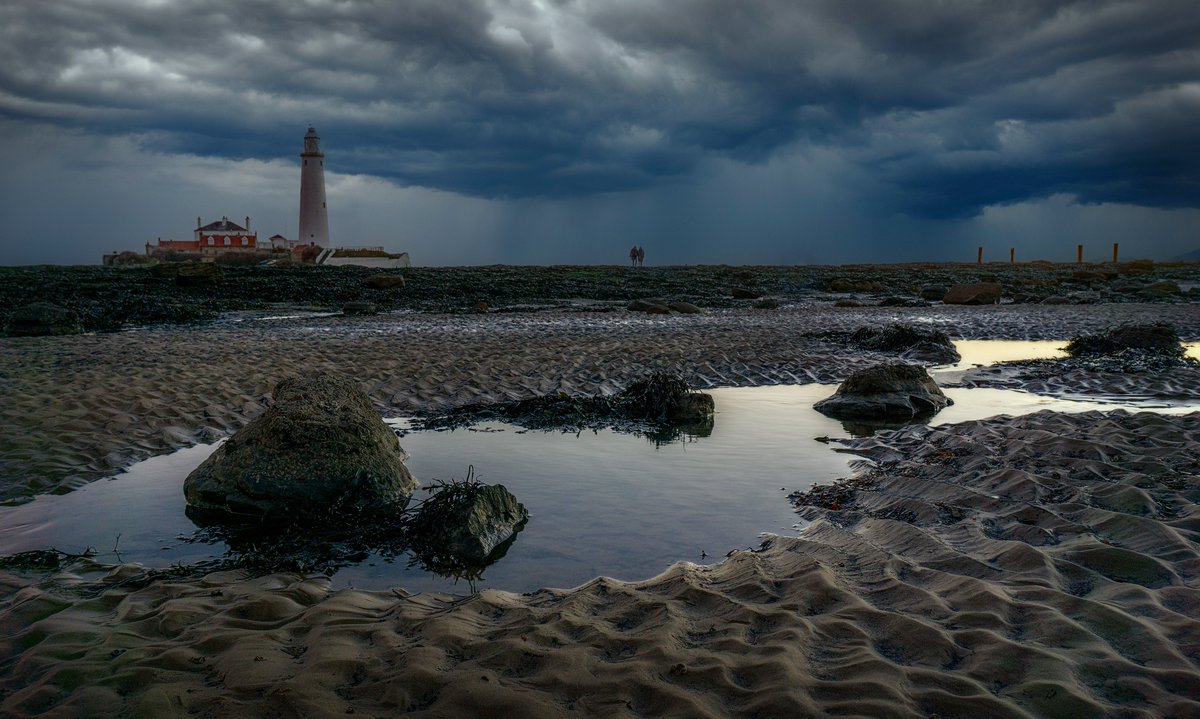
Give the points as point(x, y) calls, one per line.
point(1039, 566)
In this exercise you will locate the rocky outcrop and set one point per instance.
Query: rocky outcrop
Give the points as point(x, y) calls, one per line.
point(43, 318)
point(980, 293)
point(321, 451)
point(885, 391)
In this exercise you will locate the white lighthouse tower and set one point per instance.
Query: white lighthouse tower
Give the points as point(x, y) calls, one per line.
point(314, 220)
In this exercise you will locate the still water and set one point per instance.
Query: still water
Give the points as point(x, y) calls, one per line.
point(600, 503)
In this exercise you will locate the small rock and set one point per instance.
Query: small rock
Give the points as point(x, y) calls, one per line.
point(981, 293)
point(1161, 289)
point(384, 281)
point(741, 293)
point(685, 308)
point(651, 305)
point(468, 521)
point(934, 292)
point(847, 303)
point(769, 303)
point(359, 308)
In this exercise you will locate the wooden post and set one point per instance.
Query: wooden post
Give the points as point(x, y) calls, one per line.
point(979, 257)
point(1079, 253)
point(1114, 253)
point(1012, 255)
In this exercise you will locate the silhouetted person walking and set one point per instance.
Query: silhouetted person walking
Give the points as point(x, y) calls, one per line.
point(641, 258)
point(633, 256)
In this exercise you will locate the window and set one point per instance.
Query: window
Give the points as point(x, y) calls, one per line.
point(306, 163)
point(245, 241)
point(210, 241)
point(227, 242)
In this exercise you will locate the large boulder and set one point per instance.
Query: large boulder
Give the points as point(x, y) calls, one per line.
point(890, 390)
point(464, 523)
point(43, 318)
point(980, 293)
point(320, 451)
point(742, 293)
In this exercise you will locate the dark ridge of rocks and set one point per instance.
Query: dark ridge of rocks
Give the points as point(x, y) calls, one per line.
point(111, 298)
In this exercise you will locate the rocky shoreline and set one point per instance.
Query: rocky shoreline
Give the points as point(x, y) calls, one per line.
point(109, 298)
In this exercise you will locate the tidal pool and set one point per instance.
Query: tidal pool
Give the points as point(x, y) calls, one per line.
point(600, 503)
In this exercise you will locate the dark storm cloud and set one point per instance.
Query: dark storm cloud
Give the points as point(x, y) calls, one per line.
point(952, 105)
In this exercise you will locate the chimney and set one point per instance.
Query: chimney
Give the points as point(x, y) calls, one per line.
point(247, 222)
point(199, 224)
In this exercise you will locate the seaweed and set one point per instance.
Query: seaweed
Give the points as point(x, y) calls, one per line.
point(662, 407)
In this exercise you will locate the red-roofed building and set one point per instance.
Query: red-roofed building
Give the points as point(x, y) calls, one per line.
point(211, 240)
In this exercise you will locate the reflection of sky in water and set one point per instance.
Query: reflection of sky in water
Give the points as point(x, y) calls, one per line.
point(600, 503)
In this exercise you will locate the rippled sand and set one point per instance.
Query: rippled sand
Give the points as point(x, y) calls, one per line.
point(1046, 565)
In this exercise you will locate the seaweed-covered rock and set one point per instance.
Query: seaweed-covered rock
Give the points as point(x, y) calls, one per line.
point(665, 397)
point(321, 451)
point(466, 522)
point(910, 342)
point(43, 318)
point(893, 389)
point(1158, 338)
point(742, 293)
point(980, 293)
point(684, 308)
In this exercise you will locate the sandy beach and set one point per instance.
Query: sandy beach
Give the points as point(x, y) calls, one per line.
point(1044, 565)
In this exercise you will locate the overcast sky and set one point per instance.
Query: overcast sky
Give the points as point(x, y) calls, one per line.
point(564, 131)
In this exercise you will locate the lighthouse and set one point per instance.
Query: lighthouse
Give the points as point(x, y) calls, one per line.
point(314, 220)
